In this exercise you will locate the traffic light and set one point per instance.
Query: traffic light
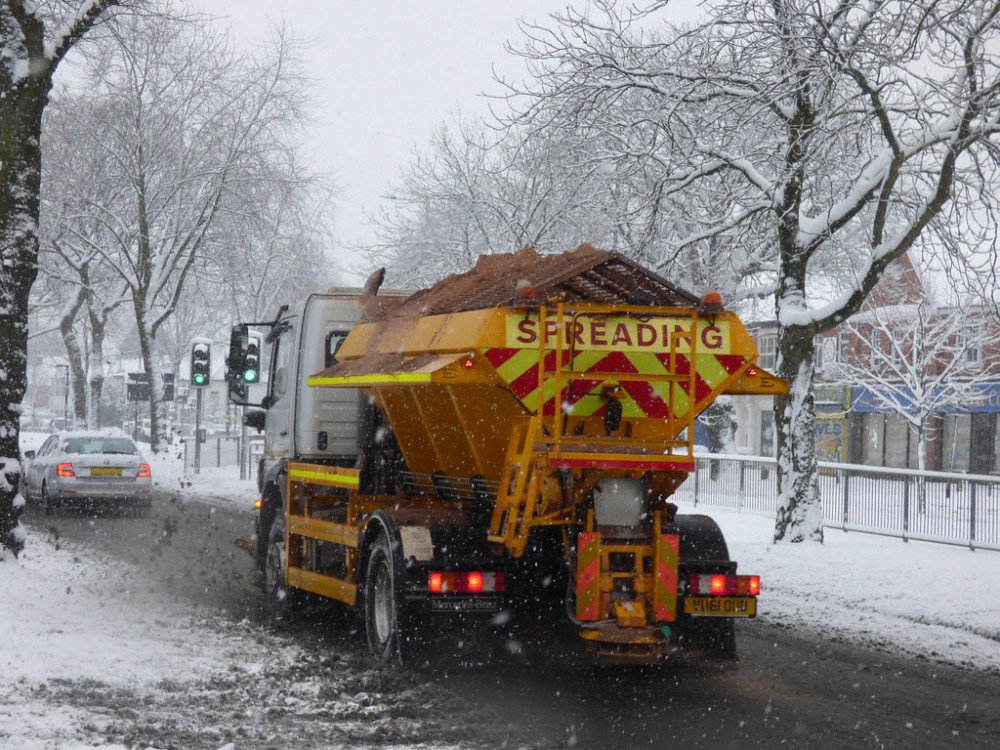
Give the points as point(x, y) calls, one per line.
point(251, 360)
point(201, 364)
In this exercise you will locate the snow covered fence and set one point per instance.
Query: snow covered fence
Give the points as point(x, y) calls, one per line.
point(944, 507)
point(222, 450)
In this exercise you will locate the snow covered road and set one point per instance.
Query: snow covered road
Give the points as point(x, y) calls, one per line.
point(106, 647)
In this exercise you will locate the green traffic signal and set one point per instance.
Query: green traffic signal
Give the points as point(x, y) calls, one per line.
point(250, 376)
point(199, 379)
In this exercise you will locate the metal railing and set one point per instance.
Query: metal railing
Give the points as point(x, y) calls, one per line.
point(222, 450)
point(961, 509)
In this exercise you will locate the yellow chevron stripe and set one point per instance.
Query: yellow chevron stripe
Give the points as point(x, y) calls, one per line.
point(519, 364)
point(665, 585)
point(710, 370)
point(588, 565)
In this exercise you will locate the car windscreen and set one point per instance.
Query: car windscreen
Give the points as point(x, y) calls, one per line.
point(99, 445)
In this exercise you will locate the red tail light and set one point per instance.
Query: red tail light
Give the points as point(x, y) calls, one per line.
point(464, 583)
point(724, 585)
point(144, 471)
point(65, 470)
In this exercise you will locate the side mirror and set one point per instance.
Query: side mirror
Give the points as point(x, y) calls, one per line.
point(29, 454)
point(254, 418)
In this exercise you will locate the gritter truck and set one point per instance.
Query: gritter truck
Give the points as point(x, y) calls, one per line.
point(499, 451)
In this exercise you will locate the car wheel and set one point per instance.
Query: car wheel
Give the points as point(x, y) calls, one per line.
point(280, 600)
point(46, 502)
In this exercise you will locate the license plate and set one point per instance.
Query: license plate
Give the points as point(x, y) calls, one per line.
point(720, 606)
point(106, 471)
point(465, 604)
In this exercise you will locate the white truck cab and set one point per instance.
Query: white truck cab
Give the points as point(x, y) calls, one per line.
point(317, 425)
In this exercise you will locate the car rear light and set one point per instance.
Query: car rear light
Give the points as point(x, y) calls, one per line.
point(257, 503)
point(65, 470)
point(724, 585)
point(474, 582)
point(144, 471)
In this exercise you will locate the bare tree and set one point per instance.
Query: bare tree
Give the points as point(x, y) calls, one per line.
point(71, 240)
point(34, 41)
point(476, 190)
point(274, 238)
point(918, 360)
point(184, 124)
point(832, 135)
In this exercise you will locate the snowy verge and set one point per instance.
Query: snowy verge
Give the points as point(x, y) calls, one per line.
point(930, 601)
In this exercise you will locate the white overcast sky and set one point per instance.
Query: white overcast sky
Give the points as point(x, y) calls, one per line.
point(388, 72)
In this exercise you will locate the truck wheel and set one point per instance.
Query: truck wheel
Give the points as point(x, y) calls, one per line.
point(702, 541)
point(381, 606)
point(714, 638)
point(279, 598)
point(270, 509)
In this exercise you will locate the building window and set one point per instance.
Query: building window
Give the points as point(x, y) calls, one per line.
point(843, 346)
point(768, 349)
point(896, 344)
point(818, 353)
point(876, 351)
point(972, 353)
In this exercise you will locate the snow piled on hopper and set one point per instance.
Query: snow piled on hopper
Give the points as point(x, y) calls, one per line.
point(583, 275)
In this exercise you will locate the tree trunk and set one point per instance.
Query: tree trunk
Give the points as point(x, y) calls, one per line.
point(95, 372)
point(22, 101)
point(922, 465)
point(157, 417)
point(20, 174)
point(74, 355)
point(720, 421)
point(800, 507)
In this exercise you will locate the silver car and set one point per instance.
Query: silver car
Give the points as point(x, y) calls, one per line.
point(98, 468)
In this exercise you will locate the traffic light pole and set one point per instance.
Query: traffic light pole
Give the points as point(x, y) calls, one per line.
point(197, 432)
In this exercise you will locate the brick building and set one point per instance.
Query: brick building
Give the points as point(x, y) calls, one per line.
point(896, 346)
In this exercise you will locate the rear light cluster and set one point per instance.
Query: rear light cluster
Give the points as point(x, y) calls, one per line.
point(464, 583)
point(724, 585)
point(144, 470)
point(65, 470)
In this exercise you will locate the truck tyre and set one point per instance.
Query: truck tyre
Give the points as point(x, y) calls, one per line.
point(395, 633)
point(702, 541)
point(279, 598)
point(270, 509)
point(381, 604)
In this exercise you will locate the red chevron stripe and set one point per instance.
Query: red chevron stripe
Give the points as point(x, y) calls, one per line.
point(731, 362)
point(497, 357)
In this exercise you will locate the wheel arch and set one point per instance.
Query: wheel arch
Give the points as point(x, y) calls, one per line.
point(701, 539)
point(378, 523)
point(272, 502)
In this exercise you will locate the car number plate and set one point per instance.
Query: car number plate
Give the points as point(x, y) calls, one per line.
point(465, 604)
point(106, 471)
point(721, 606)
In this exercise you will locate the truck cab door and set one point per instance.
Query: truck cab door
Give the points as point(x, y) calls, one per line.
point(278, 427)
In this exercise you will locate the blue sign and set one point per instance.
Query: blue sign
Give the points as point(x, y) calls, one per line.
point(985, 397)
